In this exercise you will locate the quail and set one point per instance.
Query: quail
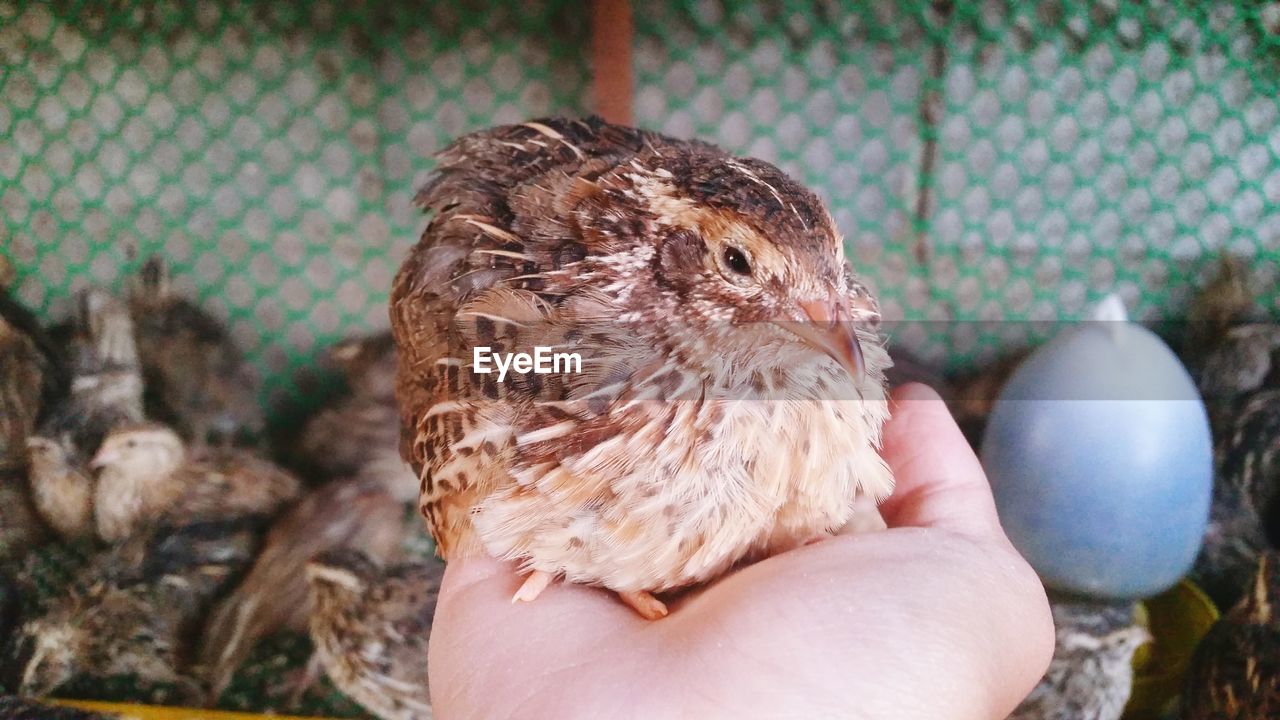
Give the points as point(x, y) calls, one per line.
point(1229, 347)
point(197, 379)
point(141, 629)
point(106, 381)
point(105, 393)
point(359, 434)
point(146, 474)
point(1235, 673)
point(730, 393)
point(1091, 674)
point(370, 627)
point(61, 488)
point(1244, 519)
point(353, 514)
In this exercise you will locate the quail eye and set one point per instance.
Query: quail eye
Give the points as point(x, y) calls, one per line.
point(736, 261)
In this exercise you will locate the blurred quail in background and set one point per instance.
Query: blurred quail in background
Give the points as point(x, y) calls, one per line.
point(196, 378)
point(1238, 366)
point(359, 433)
point(1091, 674)
point(357, 515)
point(1235, 674)
point(145, 472)
point(370, 627)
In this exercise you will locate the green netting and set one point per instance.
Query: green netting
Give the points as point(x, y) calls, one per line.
point(998, 161)
point(269, 150)
point(986, 160)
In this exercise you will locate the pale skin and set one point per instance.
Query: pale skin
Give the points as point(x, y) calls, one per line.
point(935, 618)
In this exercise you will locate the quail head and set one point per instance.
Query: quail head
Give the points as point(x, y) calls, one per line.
point(358, 515)
point(146, 475)
point(1091, 674)
point(197, 379)
point(731, 388)
point(370, 627)
point(1235, 673)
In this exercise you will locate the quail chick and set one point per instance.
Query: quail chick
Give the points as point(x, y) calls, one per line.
point(359, 515)
point(197, 379)
point(1091, 674)
point(145, 474)
point(1230, 351)
point(1245, 514)
point(1235, 673)
point(60, 489)
point(686, 280)
point(141, 630)
point(360, 433)
point(370, 628)
point(106, 386)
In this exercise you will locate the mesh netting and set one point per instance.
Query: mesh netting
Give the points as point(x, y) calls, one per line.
point(268, 150)
point(998, 161)
point(986, 161)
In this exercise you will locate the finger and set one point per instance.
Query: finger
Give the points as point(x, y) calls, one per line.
point(938, 479)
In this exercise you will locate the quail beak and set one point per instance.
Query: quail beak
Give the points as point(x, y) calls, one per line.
point(104, 458)
point(830, 330)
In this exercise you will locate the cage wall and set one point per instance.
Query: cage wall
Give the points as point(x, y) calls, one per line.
point(986, 161)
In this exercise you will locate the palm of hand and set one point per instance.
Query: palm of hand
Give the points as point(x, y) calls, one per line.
point(935, 617)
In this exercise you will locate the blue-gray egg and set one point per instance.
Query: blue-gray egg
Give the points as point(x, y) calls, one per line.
point(1099, 453)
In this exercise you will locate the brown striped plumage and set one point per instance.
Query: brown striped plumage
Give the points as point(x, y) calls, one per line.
point(370, 627)
point(713, 308)
point(1235, 674)
point(146, 475)
point(1091, 675)
point(352, 514)
point(197, 380)
point(358, 434)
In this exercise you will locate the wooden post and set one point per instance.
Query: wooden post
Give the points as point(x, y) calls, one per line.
point(611, 37)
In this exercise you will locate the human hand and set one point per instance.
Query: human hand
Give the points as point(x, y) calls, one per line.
point(936, 618)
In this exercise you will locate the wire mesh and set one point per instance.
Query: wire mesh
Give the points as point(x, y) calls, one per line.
point(998, 161)
point(268, 151)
